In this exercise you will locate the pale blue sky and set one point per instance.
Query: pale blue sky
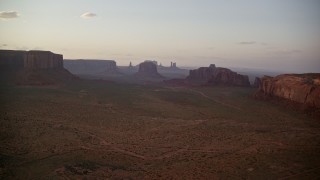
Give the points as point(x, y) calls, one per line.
point(267, 34)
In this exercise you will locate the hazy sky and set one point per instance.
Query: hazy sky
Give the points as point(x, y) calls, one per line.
point(267, 34)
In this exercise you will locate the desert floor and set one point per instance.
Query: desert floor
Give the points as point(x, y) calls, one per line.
point(101, 130)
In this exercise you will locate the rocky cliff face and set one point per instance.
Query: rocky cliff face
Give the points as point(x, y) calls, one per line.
point(43, 60)
point(33, 68)
point(148, 70)
point(30, 59)
point(11, 59)
point(202, 74)
point(256, 83)
point(300, 88)
point(218, 76)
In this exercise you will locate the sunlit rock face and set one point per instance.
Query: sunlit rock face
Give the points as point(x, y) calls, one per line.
point(213, 75)
point(299, 88)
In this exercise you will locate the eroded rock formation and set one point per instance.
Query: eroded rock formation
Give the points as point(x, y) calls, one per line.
point(256, 83)
point(91, 66)
point(33, 68)
point(148, 70)
point(30, 59)
point(12, 59)
point(218, 76)
point(300, 88)
point(43, 60)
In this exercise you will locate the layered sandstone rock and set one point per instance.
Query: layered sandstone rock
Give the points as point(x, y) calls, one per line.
point(12, 59)
point(299, 88)
point(148, 70)
point(43, 60)
point(33, 68)
point(30, 59)
point(202, 73)
point(256, 83)
point(218, 76)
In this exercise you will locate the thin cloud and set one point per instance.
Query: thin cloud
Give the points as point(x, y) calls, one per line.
point(284, 52)
point(88, 15)
point(9, 15)
point(287, 52)
point(247, 42)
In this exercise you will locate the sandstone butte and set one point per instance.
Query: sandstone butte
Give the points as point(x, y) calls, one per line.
point(148, 70)
point(30, 59)
point(33, 67)
point(213, 75)
point(91, 66)
point(300, 88)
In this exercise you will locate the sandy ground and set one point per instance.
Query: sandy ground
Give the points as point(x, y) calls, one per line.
point(103, 131)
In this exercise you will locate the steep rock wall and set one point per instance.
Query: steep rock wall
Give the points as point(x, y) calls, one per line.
point(43, 60)
point(148, 70)
point(12, 59)
point(30, 59)
point(256, 83)
point(86, 66)
point(218, 76)
point(300, 88)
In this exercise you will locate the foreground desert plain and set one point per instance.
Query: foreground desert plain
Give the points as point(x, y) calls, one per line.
point(102, 130)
